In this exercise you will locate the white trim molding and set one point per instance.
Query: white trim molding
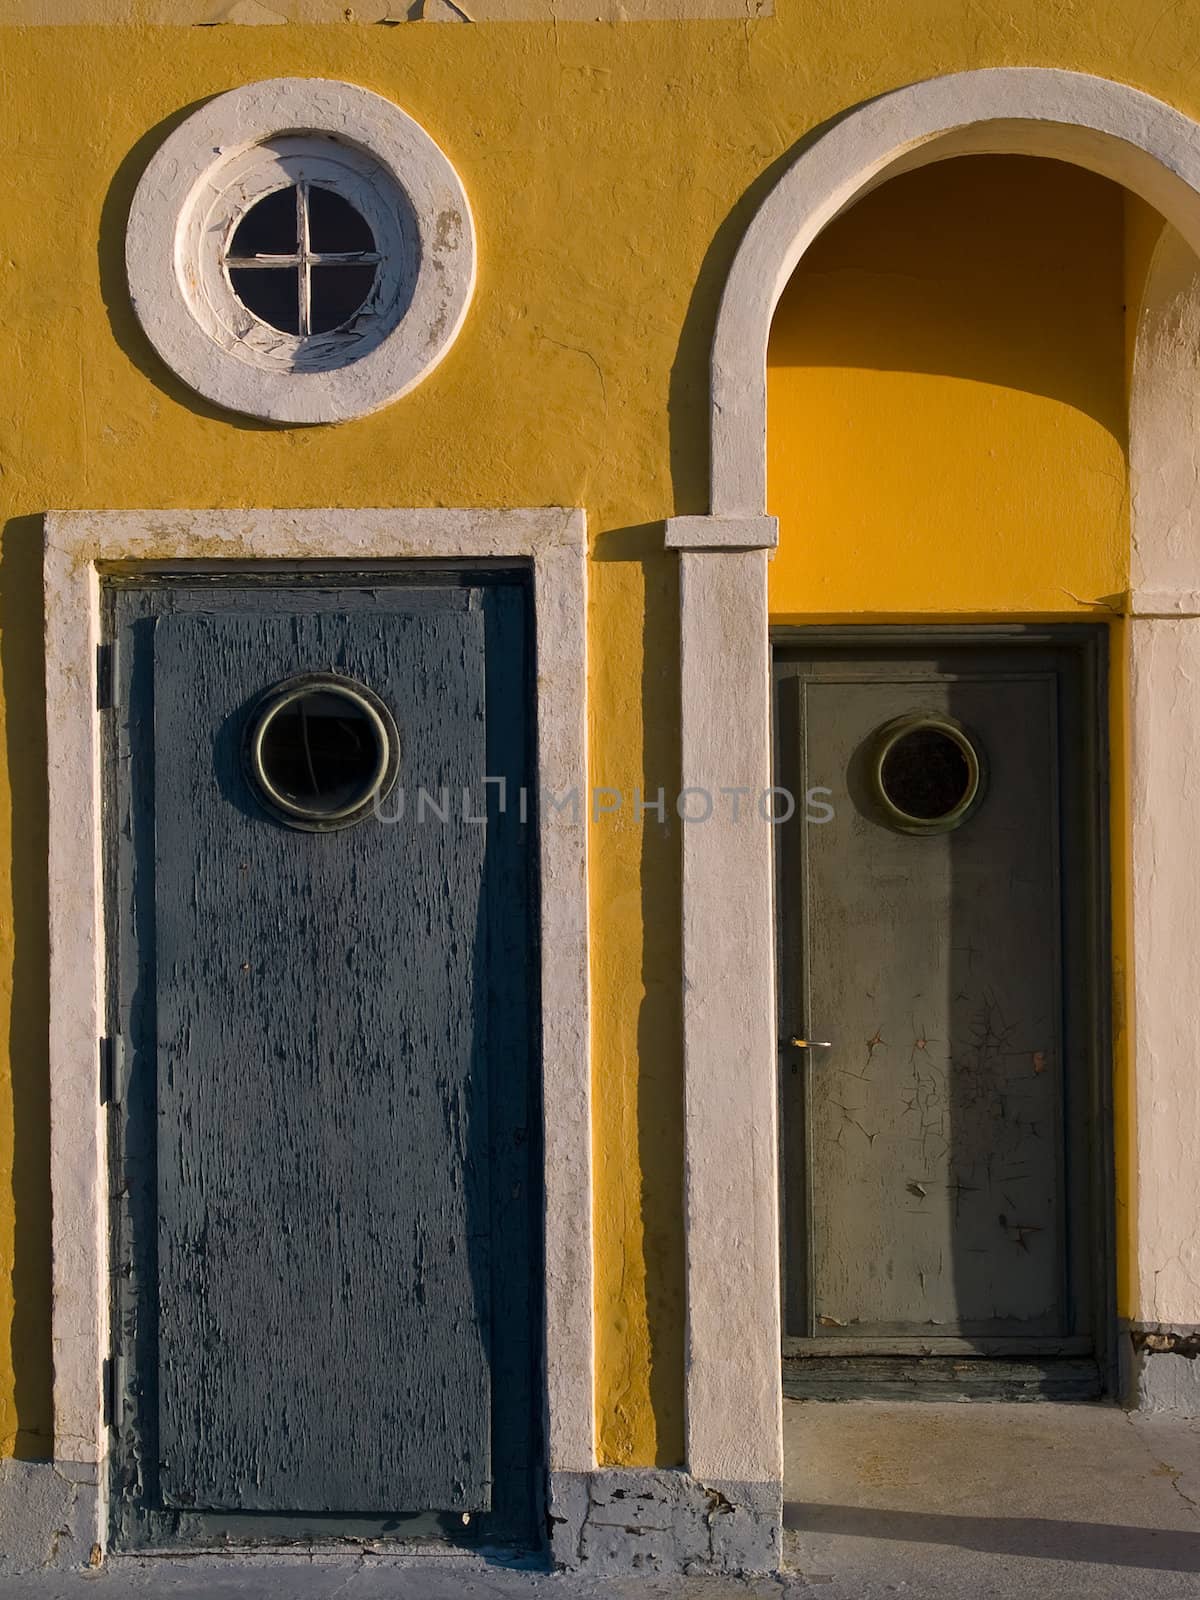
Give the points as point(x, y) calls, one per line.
point(733, 1427)
point(77, 547)
point(1164, 685)
point(233, 151)
point(732, 1396)
point(1145, 604)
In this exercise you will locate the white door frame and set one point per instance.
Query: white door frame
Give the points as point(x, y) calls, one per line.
point(78, 545)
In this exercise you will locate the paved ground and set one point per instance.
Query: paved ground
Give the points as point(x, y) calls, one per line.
point(992, 1502)
point(885, 1502)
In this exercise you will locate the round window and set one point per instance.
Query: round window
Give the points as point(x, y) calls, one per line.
point(928, 774)
point(303, 260)
point(307, 254)
point(321, 750)
point(300, 250)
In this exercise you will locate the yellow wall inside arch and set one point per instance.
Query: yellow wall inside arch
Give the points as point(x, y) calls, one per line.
point(946, 399)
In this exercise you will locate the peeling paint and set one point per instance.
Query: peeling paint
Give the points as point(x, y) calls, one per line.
point(251, 13)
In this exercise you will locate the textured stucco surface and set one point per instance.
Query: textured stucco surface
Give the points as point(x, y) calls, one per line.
point(647, 1521)
point(611, 172)
point(47, 1515)
point(1165, 1384)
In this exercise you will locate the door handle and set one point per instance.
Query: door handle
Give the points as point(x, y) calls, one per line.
point(811, 1044)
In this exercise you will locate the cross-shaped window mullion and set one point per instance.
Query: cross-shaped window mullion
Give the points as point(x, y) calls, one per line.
point(305, 285)
point(344, 258)
point(304, 258)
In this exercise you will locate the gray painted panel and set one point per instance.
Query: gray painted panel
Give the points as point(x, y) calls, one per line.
point(933, 1180)
point(323, 1272)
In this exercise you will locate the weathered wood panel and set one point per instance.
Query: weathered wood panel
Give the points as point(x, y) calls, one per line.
point(933, 1179)
point(323, 1239)
point(939, 1378)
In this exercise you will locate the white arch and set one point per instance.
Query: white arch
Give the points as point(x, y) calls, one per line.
point(1108, 127)
point(732, 1389)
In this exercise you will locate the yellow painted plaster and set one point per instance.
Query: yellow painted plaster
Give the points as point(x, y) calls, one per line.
point(392, 13)
point(612, 170)
point(947, 411)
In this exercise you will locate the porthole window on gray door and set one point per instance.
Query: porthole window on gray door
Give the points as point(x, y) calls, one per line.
point(321, 751)
point(927, 774)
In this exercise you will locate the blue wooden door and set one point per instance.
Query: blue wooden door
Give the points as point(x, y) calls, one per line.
point(322, 986)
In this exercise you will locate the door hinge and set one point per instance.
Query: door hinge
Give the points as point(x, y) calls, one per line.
point(114, 1386)
point(111, 1056)
point(106, 675)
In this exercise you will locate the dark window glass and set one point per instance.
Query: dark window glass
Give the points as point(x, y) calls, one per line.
point(925, 774)
point(269, 227)
point(272, 293)
point(322, 753)
point(336, 293)
point(334, 226)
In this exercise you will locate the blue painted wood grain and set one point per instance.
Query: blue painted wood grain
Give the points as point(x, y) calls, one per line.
point(322, 1166)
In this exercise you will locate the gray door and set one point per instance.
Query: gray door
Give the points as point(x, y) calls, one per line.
point(939, 1037)
point(322, 980)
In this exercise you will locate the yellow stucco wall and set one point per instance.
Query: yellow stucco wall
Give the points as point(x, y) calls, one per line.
point(612, 170)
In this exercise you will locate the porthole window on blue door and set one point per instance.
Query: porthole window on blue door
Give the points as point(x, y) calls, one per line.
point(321, 751)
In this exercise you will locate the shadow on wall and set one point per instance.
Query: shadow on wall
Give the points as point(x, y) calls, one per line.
point(937, 326)
point(114, 285)
point(659, 1082)
point(995, 265)
point(689, 390)
point(22, 663)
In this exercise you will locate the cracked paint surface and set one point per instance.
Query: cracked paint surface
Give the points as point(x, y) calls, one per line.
point(934, 1197)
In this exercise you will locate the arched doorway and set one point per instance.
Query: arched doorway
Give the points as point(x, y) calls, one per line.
point(733, 1398)
point(947, 460)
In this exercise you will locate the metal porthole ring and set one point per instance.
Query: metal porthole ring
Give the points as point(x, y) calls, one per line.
point(885, 741)
point(366, 702)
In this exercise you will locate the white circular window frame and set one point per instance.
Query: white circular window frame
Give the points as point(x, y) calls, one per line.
point(204, 177)
point(282, 163)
